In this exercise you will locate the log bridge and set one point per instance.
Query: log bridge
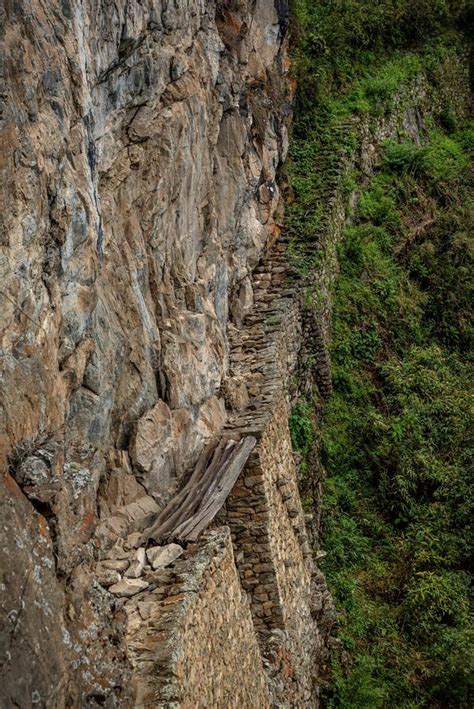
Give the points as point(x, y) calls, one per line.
point(192, 509)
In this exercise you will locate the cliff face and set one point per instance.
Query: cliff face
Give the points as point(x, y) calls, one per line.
point(147, 308)
point(140, 146)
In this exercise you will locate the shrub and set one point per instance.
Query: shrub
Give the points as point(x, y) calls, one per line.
point(302, 427)
point(400, 157)
point(441, 160)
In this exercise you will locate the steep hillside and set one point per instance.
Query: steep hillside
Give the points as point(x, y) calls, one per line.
point(381, 229)
point(396, 438)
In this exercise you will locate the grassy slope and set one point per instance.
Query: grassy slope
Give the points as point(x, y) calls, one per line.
point(395, 437)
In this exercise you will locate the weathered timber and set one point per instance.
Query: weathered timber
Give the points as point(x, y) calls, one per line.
point(189, 531)
point(194, 491)
point(171, 511)
point(197, 494)
point(189, 512)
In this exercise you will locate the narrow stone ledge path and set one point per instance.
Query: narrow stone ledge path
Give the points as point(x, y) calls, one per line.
point(258, 565)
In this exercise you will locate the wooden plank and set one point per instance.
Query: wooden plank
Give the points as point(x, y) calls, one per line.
point(190, 530)
point(196, 494)
point(190, 511)
point(213, 473)
point(192, 499)
point(174, 504)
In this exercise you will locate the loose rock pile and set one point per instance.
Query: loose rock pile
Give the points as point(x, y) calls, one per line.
point(128, 572)
point(123, 569)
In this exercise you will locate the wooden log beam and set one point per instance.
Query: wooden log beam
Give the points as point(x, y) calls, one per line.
point(193, 508)
point(189, 531)
point(195, 494)
point(174, 504)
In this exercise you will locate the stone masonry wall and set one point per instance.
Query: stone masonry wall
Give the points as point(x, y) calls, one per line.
point(192, 620)
point(264, 511)
point(273, 555)
point(191, 640)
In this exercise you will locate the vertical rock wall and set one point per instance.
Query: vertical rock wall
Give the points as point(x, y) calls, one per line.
point(140, 144)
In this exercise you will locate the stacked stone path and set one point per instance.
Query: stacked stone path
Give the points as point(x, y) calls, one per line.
point(266, 594)
point(264, 510)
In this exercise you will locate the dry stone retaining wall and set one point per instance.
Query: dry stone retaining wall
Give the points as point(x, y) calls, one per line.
point(264, 510)
point(272, 552)
point(222, 627)
point(191, 640)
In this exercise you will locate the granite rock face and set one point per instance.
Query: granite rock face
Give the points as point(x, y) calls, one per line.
point(140, 143)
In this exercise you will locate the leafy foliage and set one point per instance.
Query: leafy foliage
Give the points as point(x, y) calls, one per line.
point(397, 433)
point(339, 39)
point(302, 427)
point(397, 441)
point(442, 159)
point(302, 434)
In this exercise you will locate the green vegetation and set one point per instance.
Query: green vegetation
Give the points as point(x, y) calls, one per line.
point(302, 432)
point(301, 427)
point(396, 437)
point(337, 40)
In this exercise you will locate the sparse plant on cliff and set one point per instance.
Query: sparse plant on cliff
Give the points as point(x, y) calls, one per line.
point(25, 448)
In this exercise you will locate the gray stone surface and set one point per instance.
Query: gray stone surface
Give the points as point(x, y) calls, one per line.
point(128, 587)
point(137, 564)
point(159, 557)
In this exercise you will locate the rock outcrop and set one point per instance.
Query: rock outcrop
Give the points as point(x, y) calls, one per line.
point(140, 149)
